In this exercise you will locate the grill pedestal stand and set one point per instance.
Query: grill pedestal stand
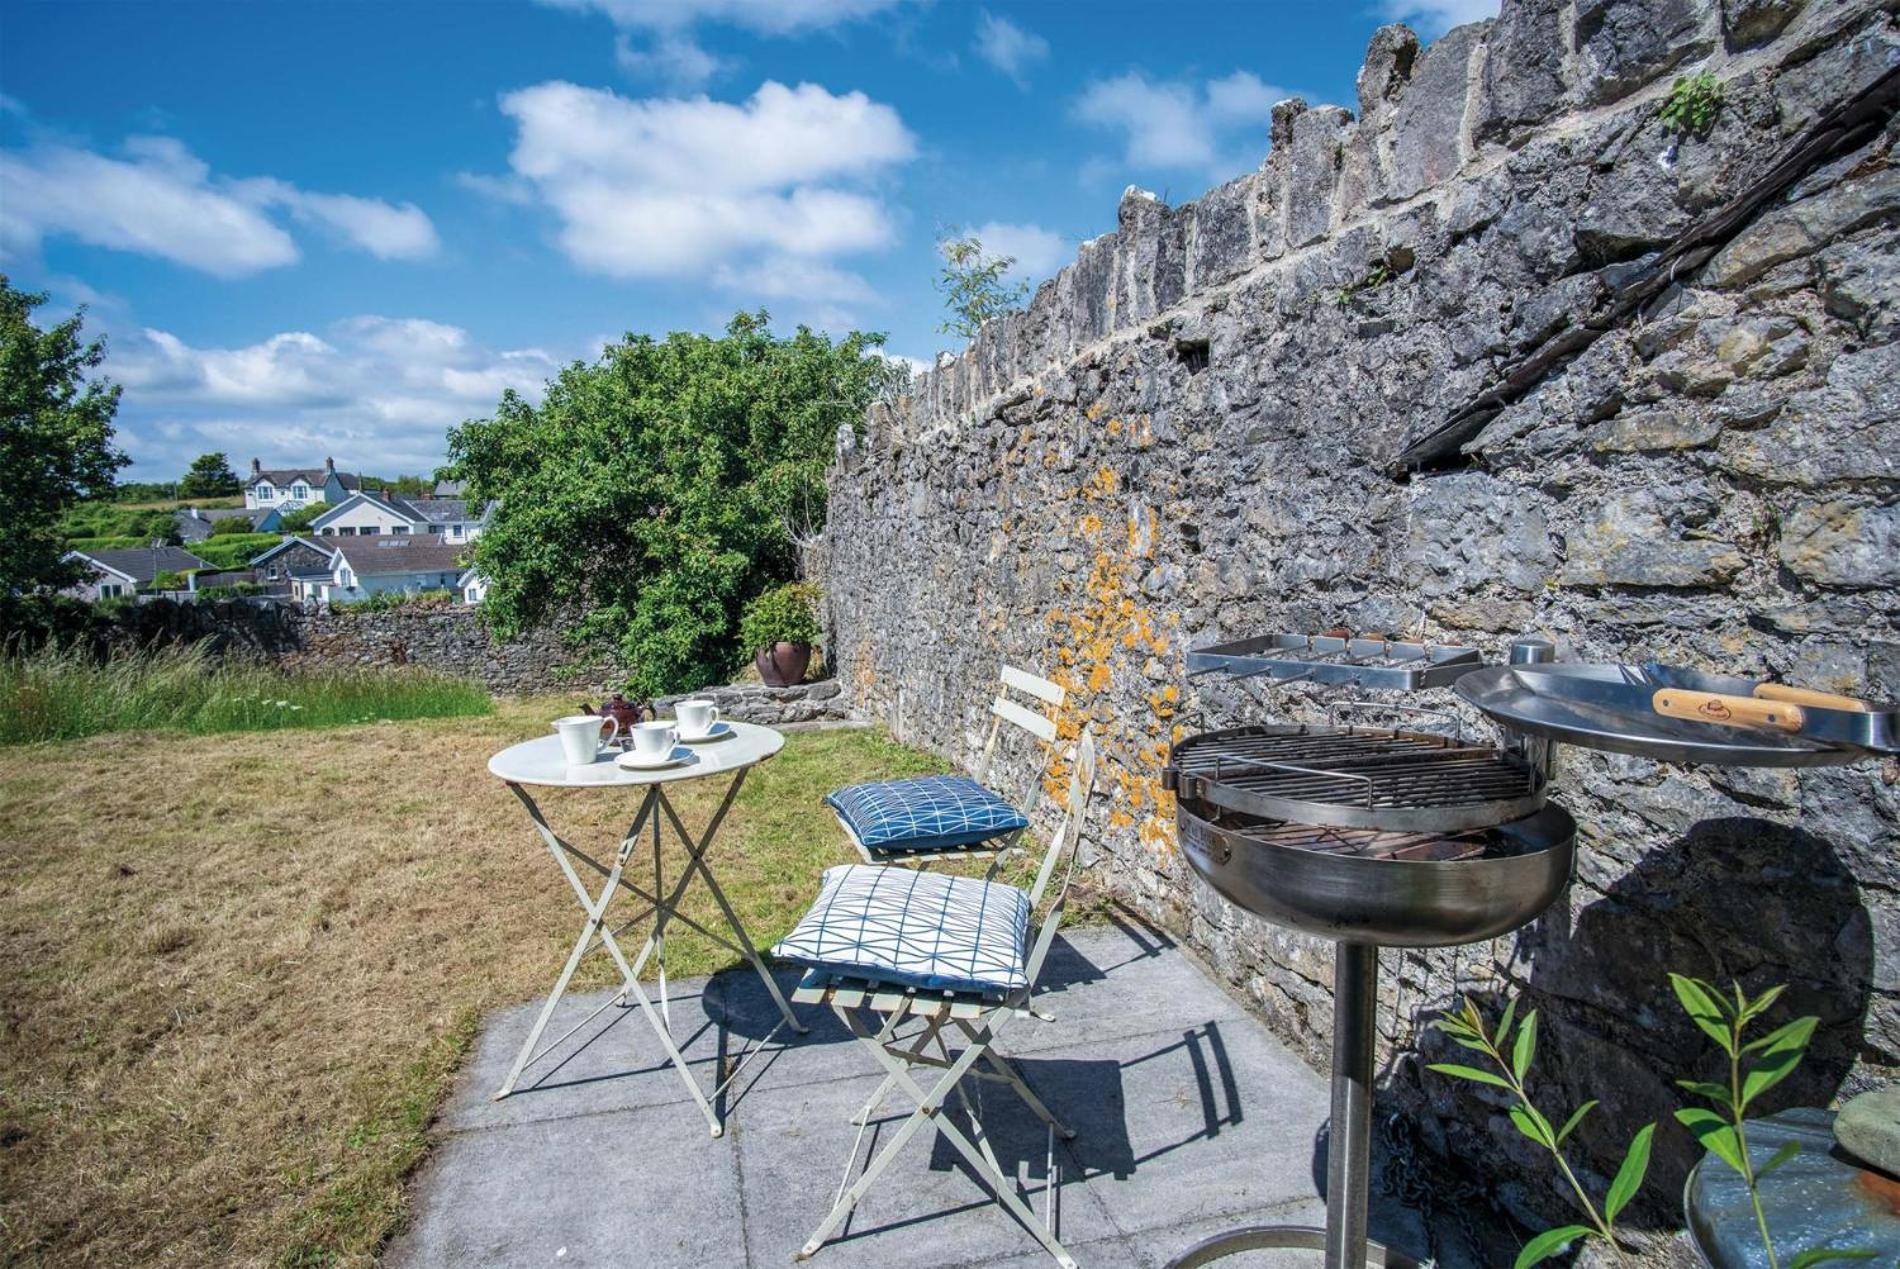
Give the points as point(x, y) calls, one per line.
point(1349, 1145)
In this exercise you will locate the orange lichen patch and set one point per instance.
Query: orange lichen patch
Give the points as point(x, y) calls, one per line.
point(1114, 427)
point(1095, 411)
point(1099, 630)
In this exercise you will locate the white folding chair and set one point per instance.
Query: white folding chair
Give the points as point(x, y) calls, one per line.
point(1039, 723)
point(875, 1007)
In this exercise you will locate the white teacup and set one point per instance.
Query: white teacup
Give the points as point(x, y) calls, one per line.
point(697, 717)
point(654, 741)
point(581, 738)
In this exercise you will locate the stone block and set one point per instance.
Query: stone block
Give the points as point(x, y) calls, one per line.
point(1624, 44)
point(1843, 542)
point(1313, 172)
point(1523, 79)
point(1219, 235)
point(1636, 539)
point(1093, 303)
point(1428, 125)
point(1651, 430)
point(1847, 429)
point(1746, 23)
point(1383, 76)
point(1789, 233)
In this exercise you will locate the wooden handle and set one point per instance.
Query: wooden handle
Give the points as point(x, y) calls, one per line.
point(1808, 696)
point(1732, 711)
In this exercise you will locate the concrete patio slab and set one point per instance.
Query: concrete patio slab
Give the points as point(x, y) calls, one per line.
point(1190, 1119)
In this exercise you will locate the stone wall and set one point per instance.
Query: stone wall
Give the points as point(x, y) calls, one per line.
point(444, 637)
point(1498, 354)
point(820, 702)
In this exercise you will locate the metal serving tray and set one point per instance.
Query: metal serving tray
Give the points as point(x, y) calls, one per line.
point(1616, 707)
point(1365, 662)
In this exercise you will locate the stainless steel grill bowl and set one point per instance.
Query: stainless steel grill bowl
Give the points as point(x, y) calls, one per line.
point(1268, 868)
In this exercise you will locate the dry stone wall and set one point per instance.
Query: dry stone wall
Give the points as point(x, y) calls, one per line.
point(444, 637)
point(1494, 353)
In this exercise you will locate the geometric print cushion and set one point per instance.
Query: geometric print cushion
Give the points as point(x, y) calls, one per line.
point(926, 813)
point(921, 929)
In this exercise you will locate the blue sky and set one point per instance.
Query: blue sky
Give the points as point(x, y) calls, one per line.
point(335, 229)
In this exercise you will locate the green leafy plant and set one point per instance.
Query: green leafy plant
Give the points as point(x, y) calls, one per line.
point(974, 284)
point(651, 493)
point(1694, 102)
point(784, 614)
point(1754, 1067)
point(1377, 276)
point(1511, 1055)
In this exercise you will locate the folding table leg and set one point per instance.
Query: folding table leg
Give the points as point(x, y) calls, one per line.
point(698, 861)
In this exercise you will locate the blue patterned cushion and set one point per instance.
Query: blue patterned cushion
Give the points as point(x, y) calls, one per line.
point(923, 929)
point(927, 813)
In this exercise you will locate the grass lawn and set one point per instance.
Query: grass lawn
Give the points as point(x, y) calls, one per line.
point(241, 969)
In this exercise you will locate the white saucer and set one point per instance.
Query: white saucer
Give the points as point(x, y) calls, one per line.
point(635, 762)
point(720, 731)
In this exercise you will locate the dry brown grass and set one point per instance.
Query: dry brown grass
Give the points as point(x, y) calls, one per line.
point(240, 969)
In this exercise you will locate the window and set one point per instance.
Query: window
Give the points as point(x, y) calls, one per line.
point(300, 491)
point(401, 528)
point(264, 492)
point(435, 528)
point(473, 596)
point(368, 530)
point(110, 590)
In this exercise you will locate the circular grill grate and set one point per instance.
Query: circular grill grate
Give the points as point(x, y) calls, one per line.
point(1356, 777)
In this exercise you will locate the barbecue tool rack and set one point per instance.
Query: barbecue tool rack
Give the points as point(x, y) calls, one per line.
point(1364, 661)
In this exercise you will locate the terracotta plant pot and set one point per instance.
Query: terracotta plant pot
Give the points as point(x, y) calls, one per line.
point(783, 664)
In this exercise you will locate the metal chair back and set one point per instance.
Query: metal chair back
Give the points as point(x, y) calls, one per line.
point(1039, 722)
point(1064, 845)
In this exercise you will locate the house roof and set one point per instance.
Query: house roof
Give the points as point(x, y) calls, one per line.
point(289, 541)
point(417, 511)
point(380, 556)
point(450, 488)
point(312, 476)
point(144, 563)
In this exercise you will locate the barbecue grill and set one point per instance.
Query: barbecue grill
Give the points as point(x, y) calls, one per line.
point(1376, 836)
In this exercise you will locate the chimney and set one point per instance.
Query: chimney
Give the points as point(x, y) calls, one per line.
point(257, 468)
point(329, 466)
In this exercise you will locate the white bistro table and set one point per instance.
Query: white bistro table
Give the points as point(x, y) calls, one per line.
point(541, 763)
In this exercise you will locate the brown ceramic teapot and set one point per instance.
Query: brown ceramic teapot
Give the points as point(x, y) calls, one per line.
point(621, 710)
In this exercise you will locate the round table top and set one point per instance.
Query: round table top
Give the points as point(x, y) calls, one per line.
point(541, 761)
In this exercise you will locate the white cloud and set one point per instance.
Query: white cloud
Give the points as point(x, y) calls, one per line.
point(1210, 127)
point(1008, 47)
point(1038, 252)
point(754, 194)
point(670, 52)
point(161, 200)
point(1435, 17)
point(377, 393)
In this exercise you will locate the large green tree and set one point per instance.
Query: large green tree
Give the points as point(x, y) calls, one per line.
point(210, 477)
point(655, 491)
point(55, 439)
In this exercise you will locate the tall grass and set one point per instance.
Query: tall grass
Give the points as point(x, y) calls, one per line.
point(55, 695)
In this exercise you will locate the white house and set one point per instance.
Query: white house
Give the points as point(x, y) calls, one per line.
point(472, 587)
point(367, 514)
point(123, 573)
point(381, 564)
point(287, 488)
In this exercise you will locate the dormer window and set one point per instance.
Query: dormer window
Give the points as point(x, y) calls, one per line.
point(300, 491)
point(264, 492)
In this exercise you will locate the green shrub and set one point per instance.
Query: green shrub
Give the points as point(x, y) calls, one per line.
point(234, 550)
point(230, 525)
point(298, 521)
point(105, 520)
point(166, 579)
point(784, 614)
point(52, 695)
point(105, 544)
